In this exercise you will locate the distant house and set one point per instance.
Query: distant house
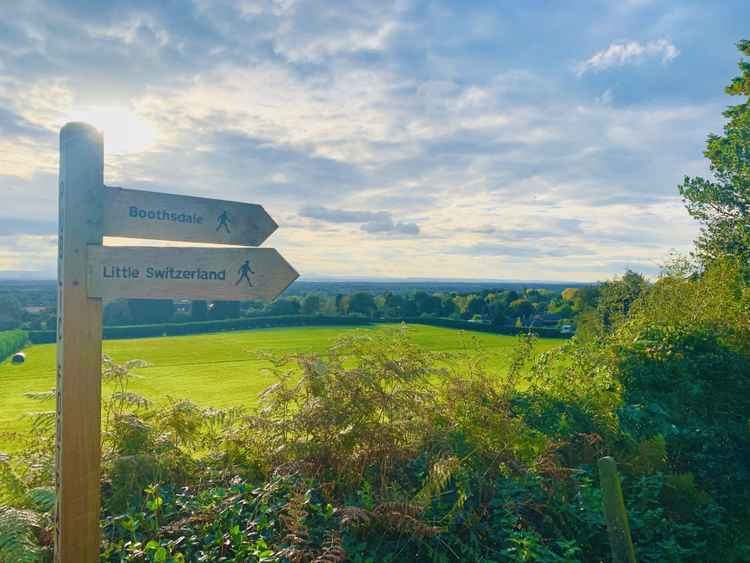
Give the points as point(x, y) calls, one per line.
point(566, 329)
point(33, 310)
point(183, 306)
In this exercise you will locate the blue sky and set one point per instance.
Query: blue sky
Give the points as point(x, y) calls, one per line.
point(495, 140)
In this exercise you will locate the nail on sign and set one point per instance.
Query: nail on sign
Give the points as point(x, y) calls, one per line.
point(232, 274)
point(160, 216)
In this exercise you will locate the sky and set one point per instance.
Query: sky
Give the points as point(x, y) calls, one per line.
point(431, 139)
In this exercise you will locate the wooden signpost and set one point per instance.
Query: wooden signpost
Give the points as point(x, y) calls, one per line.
point(89, 272)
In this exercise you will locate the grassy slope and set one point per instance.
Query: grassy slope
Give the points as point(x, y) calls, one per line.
point(218, 370)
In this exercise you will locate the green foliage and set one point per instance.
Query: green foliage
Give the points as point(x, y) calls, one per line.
point(221, 310)
point(24, 514)
point(488, 328)
point(11, 312)
point(176, 329)
point(284, 307)
point(117, 313)
point(151, 311)
point(12, 341)
point(361, 303)
point(721, 204)
point(609, 305)
point(344, 418)
point(311, 304)
point(199, 311)
point(18, 542)
point(376, 450)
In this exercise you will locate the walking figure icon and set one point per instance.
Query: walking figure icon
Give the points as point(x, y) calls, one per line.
point(224, 222)
point(244, 272)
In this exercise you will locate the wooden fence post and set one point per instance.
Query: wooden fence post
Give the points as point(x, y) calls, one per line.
point(614, 512)
point(79, 348)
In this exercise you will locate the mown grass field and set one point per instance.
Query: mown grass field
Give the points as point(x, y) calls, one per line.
point(220, 369)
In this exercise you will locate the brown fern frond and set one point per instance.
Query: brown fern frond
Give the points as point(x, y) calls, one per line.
point(189, 521)
point(398, 508)
point(409, 525)
point(441, 472)
point(333, 552)
point(295, 555)
point(293, 516)
point(404, 518)
point(355, 517)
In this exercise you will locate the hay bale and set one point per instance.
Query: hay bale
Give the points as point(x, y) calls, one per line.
point(18, 358)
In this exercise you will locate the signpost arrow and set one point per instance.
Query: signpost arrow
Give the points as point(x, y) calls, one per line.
point(160, 216)
point(231, 274)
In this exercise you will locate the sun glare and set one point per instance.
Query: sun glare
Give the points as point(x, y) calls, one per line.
point(124, 131)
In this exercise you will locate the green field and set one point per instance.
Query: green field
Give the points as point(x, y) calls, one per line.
point(220, 369)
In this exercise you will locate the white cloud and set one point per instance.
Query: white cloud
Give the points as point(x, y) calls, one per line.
point(628, 52)
point(370, 221)
point(379, 152)
point(141, 29)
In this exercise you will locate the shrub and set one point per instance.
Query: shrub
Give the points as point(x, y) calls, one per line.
point(378, 450)
point(12, 341)
point(177, 329)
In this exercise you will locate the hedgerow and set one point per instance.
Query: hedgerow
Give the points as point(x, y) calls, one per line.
point(201, 327)
point(12, 341)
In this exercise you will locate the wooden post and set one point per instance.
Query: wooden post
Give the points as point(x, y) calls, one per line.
point(614, 512)
point(79, 348)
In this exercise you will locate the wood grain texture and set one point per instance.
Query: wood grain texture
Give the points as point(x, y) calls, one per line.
point(214, 274)
point(79, 341)
point(161, 216)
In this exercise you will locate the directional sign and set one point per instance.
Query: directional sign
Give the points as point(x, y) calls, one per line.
point(228, 274)
point(160, 216)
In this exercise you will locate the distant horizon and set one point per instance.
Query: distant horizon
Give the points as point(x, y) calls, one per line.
point(21, 277)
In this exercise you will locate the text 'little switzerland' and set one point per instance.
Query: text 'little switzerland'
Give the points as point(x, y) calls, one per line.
point(168, 273)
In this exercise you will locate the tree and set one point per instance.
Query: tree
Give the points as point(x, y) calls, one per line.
point(361, 303)
point(311, 304)
point(496, 309)
point(225, 310)
point(561, 308)
point(618, 295)
point(612, 304)
point(117, 313)
point(722, 204)
point(426, 304)
point(448, 307)
point(151, 311)
point(521, 308)
point(199, 310)
point(341, 301)
point(11, 312)
point(569, 293)
point(284, 306)
point(475, 306)
point(392, 304)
